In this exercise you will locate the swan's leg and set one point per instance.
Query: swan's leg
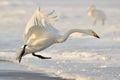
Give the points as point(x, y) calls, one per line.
point(103, 22)
point(22, 53)
point(94, 22)
point(39, 56)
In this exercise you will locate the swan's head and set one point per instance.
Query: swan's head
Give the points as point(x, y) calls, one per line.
point(90, 8)
point(20, 53)
point(92, 33)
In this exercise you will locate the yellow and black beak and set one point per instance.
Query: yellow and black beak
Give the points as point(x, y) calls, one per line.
point(95, 35)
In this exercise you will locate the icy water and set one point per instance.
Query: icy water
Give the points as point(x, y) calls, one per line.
point(81, 57)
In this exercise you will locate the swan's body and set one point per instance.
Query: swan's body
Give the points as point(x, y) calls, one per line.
point(96, 14)
point(40, 34)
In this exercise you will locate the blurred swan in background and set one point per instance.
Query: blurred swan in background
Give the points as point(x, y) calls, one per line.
point(40, 34)
point(96, 14)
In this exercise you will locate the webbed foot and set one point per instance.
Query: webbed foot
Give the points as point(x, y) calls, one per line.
point(40, 56)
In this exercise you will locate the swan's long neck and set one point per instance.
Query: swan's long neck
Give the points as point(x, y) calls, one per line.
point(65, 36)
point(90, 12)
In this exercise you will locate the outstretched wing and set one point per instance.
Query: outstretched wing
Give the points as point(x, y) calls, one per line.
point(38, 26)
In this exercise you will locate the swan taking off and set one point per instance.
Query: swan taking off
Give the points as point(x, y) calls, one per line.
point(40, 34)
point(96, 14)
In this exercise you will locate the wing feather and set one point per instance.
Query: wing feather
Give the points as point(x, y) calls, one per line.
point(38, 26)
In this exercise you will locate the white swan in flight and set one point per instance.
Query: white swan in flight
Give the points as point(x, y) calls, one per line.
point(96, 14)
point(40, 34)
